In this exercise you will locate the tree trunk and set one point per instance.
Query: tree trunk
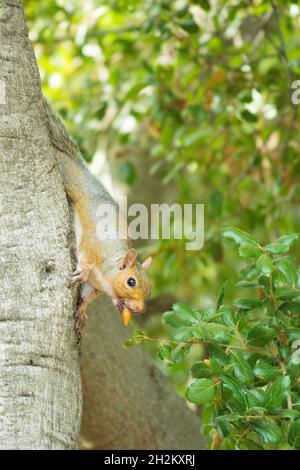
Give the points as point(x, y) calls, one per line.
point(128, 403)
point(40, 391)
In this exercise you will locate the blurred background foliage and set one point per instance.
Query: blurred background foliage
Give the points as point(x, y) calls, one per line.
point(182, 101)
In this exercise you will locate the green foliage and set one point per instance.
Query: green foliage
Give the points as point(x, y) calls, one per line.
point(249, 383)
point(189, 86)
point(201, 391)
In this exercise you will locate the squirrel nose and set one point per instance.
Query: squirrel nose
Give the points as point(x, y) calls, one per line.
point(135, 307)
point(139, 308)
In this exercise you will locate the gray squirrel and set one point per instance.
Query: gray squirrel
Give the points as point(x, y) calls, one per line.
point(103, 265)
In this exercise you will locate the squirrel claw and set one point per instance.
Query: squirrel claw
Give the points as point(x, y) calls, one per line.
point(80, 275)
point(79, 325)
point(80, 317)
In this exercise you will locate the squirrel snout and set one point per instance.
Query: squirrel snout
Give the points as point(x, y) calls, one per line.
point(141, 309)
point(136, 307)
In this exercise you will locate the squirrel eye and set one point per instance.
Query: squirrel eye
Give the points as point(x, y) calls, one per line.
point(131, 281)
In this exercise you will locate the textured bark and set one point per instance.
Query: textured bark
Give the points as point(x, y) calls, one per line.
point(40, 391)
point(128, 403)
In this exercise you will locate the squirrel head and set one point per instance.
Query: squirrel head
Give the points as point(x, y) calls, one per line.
point(131, 285)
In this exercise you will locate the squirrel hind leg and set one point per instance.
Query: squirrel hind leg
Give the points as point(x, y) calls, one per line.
point(87, 295)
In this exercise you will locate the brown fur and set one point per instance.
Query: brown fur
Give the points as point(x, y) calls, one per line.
point(97, 260)
point(89, 244)
point(134, 297)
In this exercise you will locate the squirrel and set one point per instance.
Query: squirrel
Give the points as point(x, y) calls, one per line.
point(103, 265)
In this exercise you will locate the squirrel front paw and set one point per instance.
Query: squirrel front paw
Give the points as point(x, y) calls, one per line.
point(81, 274)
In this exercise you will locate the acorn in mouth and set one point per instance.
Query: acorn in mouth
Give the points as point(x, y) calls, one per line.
point(125, 312)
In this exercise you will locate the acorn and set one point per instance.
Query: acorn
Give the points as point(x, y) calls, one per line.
point(126, 316)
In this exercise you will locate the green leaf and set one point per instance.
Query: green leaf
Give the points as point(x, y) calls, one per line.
point(260, 335)
point(296, 401)
point(190, 26)
point(208, 412)
point(179, 353)
point(249, 117)
point(256, 411)
point(184, 310)
point(248, 304)
point(100, 113)
point(265, 282)
point(290, 307)
point(237, 390)
point(126, 172)
point(288, 270)
point(215, 367)
point(277, 393)
point(228, 418)
point(248, 444)
point(293, 333)
point(227, 315)
point(268, 430)
point(238, 236)
point(256, 397)
point(246, 284)
point(264, 264)
point(200, 370)
point(216, 202)
point(136, 338)
point(205, 315)
point(201, 391)
point(134, 90)
point(180, 316)
point(250, 251)
point(166, 135)
point(221, 296)
point(242, 370)
point(250, 274)
point(293, 368)
point(204, 4)
point(265, 371)
point(288, 240)
point(217, 353)
point(277, 248)
point(164, 352)
point(215, 331)
point(278, 279)
point(290, 414)
point(294, 435)
point(195, 138)
point(288, 294)
point(183, 334)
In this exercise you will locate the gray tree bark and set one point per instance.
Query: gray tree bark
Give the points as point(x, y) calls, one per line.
point(40, 390)
point(128, 403)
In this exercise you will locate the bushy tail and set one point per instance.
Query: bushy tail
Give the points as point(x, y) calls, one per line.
point(59, 135)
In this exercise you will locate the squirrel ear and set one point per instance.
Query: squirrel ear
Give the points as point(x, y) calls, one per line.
point(129, 258)
point(147, 263)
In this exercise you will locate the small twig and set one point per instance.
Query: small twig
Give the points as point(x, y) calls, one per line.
point(228, 347)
